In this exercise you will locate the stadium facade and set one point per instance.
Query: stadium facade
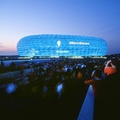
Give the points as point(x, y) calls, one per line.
point(53, 45)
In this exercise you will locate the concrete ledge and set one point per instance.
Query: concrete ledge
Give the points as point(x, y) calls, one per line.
point(87, 110)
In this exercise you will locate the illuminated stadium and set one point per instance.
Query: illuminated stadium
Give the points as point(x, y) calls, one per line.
point(53, 45)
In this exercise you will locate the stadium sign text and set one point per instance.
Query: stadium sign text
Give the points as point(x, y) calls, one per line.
point(79, 43)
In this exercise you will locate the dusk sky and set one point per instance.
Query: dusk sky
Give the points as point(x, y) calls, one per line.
point(97, 18)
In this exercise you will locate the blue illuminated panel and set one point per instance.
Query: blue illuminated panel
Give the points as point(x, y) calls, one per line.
point(61, 45)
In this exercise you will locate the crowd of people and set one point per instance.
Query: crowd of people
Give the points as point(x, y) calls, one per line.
point(106, 87)
point(67, 78)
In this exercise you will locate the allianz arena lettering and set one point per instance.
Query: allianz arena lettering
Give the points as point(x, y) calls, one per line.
point(79, 43)
point(61, 45)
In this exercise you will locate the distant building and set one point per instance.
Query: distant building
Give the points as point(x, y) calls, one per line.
point(53, 45)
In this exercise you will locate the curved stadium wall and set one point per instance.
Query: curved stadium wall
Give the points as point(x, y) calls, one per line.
point(61, 45)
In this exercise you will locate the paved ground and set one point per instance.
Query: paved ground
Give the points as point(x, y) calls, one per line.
point(18, 107)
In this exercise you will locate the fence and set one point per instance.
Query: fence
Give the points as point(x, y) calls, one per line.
point(16, 74)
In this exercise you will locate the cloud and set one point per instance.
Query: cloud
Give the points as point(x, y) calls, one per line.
point(0, 44)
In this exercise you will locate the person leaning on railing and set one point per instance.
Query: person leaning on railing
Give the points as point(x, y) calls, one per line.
point(96, 81)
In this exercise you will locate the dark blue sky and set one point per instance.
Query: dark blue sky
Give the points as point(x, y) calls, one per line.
point(98, 18)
